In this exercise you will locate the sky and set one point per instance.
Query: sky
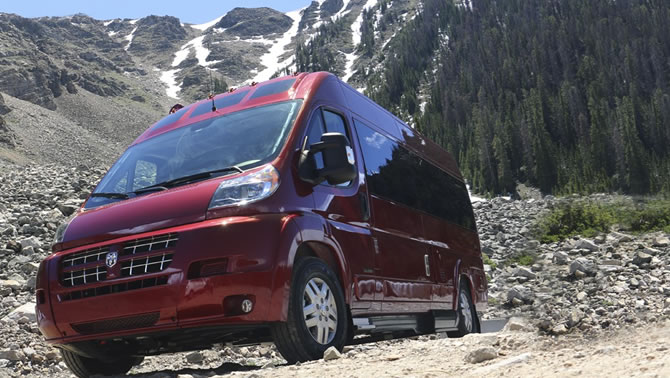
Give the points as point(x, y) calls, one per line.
point(188, 11)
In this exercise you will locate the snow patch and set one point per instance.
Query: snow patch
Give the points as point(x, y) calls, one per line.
point(271, 59)
point(168, 77)
point(342, 12)
point(356, 26)
point(474, 199)
point(201, 53)
point(133, 22)
point(129, 38)
point(208, 25)
point(348, 69)
point(112, 33)
point(106, 23)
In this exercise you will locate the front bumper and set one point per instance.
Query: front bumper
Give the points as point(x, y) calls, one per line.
point(239, 255)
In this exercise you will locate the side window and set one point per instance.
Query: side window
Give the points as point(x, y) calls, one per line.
point(401, 176)
point(335, 123)
point(314, 133)
point(145, 174)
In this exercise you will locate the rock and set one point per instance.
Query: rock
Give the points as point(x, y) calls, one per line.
point(583, 265)
point(11, 284)
point(661, 241)
point(524, 272)
point(651, 251)
point(641, 258)
point(481, 354)
point(331, 354)
point(586, 244)
point(30, 242)
point(517, 324)
point(194, 357)
point(560, 258)
point(560, 329)
point(27, 310)
point(521, 293)
point(12, 355)
point(581, 296)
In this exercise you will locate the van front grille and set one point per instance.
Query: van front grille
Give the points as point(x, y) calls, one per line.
point(136, 257)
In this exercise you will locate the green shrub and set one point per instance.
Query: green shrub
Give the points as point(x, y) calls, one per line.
point(487, 260)
point(523, 259)
point(587, 218)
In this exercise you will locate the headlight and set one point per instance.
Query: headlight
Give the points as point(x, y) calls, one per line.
point(246, 189)
point(60, 231)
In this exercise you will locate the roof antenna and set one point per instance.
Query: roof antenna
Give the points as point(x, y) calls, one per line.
point(211, 83)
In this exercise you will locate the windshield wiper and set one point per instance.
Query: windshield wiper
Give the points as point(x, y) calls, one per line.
point(111, 195)
point(186, 179)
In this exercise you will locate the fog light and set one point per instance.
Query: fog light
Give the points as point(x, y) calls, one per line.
point(247, 306)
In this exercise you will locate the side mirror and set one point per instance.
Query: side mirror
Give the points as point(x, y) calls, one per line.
point(338, 161)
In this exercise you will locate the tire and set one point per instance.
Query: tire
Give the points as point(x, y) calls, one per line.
point(305, 337)
point(84, 367)
point(467, 315)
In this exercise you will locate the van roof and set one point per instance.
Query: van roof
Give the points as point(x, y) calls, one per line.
point(257, 94)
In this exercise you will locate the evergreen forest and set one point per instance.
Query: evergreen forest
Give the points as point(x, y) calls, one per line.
point(570, 96)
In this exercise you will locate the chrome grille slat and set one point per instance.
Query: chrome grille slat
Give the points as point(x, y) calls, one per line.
point(71, 278)
point(73, 260)
point(141, 265)
point(152, 244)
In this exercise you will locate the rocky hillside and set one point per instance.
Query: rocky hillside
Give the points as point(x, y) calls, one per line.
point(98, 83)
point(582, 287)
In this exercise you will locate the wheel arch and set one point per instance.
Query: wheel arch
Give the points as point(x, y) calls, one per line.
point(306, 236)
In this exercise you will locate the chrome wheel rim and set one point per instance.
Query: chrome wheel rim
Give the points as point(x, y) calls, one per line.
point(319, 311)
point(466, 313)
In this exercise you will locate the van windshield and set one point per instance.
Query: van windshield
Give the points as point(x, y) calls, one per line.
point(241, 140)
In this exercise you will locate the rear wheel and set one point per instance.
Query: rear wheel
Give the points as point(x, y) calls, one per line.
point(317, 314)
point(85, 367)
point(467, 316)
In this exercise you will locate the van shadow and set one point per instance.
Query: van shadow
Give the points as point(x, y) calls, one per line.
point(225, 368)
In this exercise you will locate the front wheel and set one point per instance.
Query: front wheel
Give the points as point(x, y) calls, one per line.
point(84, 367)
point(317, 314)
point(467, 315)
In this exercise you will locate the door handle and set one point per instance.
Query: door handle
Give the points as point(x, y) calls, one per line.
point(365, 205)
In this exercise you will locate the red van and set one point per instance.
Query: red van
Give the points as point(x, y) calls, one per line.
point(295, 211)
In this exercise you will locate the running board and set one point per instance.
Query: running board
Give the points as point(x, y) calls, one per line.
point(434, 321)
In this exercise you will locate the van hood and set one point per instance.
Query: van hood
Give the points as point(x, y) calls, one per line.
point(169, 208)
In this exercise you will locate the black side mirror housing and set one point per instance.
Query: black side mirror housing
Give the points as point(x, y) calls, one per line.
point(338, 161)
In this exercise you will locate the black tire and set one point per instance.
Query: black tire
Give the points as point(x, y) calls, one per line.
point(84, 367)
point(467, 314)
point(293, 338)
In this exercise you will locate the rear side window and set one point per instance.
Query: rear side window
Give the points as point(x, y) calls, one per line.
point(396, 174)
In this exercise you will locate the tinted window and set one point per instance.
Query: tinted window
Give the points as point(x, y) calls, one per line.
point(220, 103)
point(335, 123)
point(273, 88)
point(314, 135)
point(398, 175)
point(172, 118)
